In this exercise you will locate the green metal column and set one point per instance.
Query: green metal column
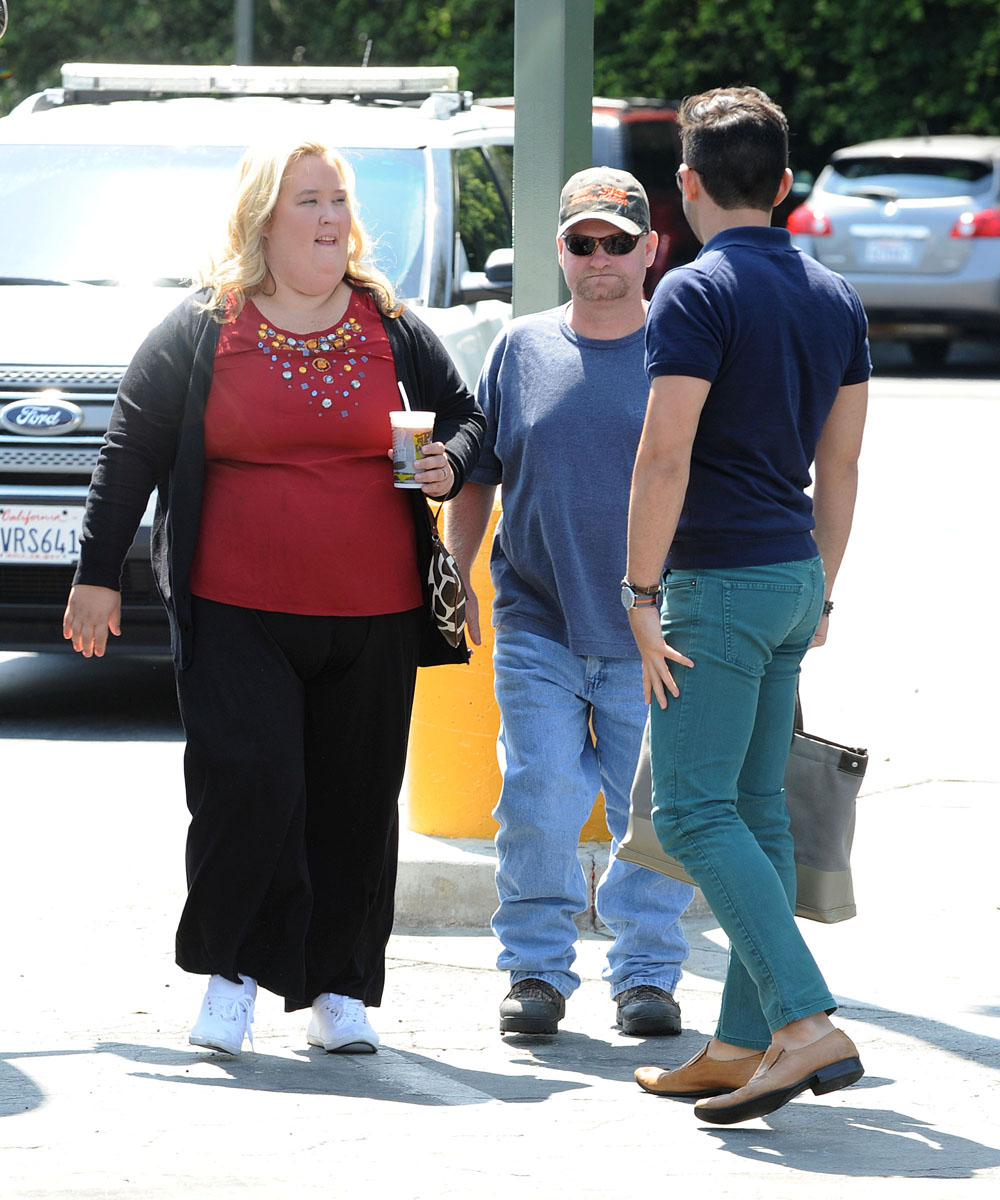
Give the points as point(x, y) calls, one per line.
point(553, 94)
point(243, 32)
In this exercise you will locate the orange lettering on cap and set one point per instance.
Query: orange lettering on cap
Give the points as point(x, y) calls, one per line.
point(600, 192)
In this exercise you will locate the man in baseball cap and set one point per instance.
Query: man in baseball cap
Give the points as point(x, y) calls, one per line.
point(564, 394)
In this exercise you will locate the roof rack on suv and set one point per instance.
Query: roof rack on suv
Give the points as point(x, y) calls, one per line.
point(89, 82)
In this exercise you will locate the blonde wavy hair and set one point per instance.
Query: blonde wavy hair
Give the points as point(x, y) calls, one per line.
point(239, 270)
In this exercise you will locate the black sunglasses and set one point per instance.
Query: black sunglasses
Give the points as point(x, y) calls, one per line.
point(614, 243)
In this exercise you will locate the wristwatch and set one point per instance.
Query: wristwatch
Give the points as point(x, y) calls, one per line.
point(634, 596)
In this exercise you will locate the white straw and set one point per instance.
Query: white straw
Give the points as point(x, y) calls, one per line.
point(402, 392)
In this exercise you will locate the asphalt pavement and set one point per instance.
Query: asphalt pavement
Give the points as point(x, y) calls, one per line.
point(102, 1097)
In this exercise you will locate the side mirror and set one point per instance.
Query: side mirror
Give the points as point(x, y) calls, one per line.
point(494, 283)
point(500, 268)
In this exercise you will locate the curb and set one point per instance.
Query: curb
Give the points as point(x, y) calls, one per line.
point(448, 883)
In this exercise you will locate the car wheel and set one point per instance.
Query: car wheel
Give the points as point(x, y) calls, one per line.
point(931, 352)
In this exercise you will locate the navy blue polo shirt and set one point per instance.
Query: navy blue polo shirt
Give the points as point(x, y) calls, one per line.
point(777, 335)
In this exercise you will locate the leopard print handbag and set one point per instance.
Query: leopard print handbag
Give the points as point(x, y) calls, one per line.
point(445, 590)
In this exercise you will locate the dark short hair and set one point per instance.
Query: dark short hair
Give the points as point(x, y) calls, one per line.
point(736, 138)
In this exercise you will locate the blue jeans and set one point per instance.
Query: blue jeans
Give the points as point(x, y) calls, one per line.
point(718, 756)
point(553, 768)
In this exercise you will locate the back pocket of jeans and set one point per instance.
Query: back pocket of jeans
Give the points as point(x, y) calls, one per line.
point(757, 618)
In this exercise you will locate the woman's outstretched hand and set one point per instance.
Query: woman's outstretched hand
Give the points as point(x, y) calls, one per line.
point(91, 613)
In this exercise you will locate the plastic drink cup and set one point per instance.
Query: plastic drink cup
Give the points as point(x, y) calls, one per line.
point(411, 430)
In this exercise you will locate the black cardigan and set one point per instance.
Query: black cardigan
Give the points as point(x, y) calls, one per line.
point(156, 439)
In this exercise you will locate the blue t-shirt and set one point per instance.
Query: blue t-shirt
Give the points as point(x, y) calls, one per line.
point(563, 419)
point(777, 335)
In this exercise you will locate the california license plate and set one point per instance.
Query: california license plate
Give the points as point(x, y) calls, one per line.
point(889, 252)
point(36, 533)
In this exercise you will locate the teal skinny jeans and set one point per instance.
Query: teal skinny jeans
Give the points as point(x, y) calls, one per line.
point(718, 756)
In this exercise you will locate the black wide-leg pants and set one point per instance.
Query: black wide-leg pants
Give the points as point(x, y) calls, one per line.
point(296, 746)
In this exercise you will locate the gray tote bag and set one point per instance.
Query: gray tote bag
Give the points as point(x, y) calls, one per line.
point(822, 781)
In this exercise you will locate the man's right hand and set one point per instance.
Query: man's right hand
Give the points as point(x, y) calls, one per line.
point(91, 612)
point(472, 616)
point(466, 518)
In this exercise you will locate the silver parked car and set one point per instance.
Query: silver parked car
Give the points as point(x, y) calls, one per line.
point(914, 225)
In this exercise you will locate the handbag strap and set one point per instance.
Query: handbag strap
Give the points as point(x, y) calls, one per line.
point(432, 520)
point(853, 759)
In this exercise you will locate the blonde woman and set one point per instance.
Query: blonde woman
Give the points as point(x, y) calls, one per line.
point(289, 568)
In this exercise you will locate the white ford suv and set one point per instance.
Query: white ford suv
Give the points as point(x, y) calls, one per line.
point(113, 189)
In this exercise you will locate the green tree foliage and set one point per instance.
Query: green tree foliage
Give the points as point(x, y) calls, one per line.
point(477, 36)
point(844, 70)
point(43, 34)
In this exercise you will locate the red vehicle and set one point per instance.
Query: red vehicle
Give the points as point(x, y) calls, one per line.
point(641, 136)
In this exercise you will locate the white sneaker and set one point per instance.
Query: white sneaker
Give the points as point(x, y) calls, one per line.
point(226, 1015)
point(340, 1025)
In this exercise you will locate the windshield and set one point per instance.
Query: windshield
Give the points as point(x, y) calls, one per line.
point(152, 214)
point(917, 178)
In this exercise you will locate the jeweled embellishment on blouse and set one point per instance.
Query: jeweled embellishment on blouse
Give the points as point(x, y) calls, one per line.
point(323, 367)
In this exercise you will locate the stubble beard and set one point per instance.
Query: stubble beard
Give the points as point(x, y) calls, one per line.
point(597, 288)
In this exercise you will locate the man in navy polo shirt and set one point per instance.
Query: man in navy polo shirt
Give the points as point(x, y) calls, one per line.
point(758, 360)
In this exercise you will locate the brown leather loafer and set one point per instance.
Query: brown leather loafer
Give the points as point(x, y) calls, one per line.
point(699, 1076)
point(827, 1064)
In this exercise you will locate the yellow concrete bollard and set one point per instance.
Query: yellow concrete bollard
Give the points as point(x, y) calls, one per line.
point(454, 780)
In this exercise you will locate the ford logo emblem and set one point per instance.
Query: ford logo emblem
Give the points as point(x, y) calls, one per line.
point(41, 417)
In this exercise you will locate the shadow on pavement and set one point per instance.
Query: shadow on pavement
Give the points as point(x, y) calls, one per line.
point(393, 1075)
point(883, 1144)
point(614, 1060)
point(62, 697)
point(18, 1092)
point(972, 1047)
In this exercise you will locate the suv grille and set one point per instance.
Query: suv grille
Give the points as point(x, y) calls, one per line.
point(48, 584)
point(24, 457)
point(70, 457)
point(61, 377)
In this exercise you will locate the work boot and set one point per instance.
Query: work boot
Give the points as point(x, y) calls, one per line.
point(647, 1011)
point(532, 1006)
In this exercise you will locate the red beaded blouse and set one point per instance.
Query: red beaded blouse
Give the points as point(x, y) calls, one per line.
point(299, 512)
